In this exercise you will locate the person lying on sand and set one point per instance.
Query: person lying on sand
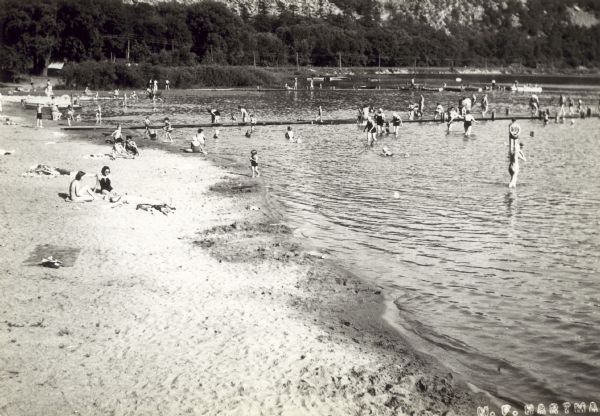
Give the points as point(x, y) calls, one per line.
point(118, 150)
point(131, 147)
point(78, 192)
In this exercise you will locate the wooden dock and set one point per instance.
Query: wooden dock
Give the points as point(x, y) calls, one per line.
point(304, 122)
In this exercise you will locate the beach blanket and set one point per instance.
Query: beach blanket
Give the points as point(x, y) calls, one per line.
point(50, 255)
point(45, 170)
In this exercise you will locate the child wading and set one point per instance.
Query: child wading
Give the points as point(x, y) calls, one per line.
point(168, 129)
point(254, 163)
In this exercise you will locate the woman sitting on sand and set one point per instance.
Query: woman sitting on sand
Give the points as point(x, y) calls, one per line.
point(78, 192)
point(104, 185)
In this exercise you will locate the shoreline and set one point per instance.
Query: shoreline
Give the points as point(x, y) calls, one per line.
point(328, 349)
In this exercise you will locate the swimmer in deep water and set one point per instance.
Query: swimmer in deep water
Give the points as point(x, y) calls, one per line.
point(386, 151)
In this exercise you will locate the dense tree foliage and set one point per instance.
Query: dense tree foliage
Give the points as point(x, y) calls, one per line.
point(532, 33)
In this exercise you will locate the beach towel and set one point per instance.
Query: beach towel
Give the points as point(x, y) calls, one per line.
point(45, 170)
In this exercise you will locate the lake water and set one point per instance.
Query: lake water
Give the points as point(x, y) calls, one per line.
point(503, 286)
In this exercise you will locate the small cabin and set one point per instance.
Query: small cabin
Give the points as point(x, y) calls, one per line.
point(55, 68)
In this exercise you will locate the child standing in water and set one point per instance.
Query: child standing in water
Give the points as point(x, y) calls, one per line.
point(146, 127)
point(254, 163)
point(289, 134)
point(168, 129)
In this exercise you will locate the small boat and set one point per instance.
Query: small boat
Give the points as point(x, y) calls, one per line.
point(316, 79)
point(62, 102)
point(333, 79)
point(94, 98)
point(526, 88)
point(30, 106)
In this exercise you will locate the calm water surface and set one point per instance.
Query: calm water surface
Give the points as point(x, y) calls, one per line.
point(503, 285)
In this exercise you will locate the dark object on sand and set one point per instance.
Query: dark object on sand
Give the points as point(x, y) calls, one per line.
point(51, 262)
point(163, 208)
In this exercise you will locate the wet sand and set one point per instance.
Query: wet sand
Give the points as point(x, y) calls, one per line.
point(218, 308)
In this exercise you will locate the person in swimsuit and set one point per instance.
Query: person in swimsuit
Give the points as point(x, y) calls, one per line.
point(439, 112)
point(104, 185)
point(469, 120)
point(514, 130)
point(215, 116)
point(197, 145)
point(117, 135)
point(484, 105)
point(146, 127)
point(70, 115)
point(513, 167)
point(452, 116)
point(380, 121)
point(244, 113)
point(131, 146)
point(168, 129)
point(371, 130)
point(39, 116)
point(396, 122)
point(289, 134)
point(254, 163)
point(78, 192)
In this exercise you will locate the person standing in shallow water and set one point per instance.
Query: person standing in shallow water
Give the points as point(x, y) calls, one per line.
point(254, 163)
point(39, 116)
point(514, 152)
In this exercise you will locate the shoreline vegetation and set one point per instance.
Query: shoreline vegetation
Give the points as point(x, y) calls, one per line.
point(350, 33)
point(217, 308)
point(109, 76)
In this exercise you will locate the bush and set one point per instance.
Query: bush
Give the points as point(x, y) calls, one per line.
point(108, 75)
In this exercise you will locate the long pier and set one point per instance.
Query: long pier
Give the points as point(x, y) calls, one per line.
point(307, 122)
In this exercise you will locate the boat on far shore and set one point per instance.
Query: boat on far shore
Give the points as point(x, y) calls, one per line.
point(526, 88)
point(62, 102)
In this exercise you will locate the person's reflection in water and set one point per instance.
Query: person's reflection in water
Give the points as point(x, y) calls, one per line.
point(509, 200)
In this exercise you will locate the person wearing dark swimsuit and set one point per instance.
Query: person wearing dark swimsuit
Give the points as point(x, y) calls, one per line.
point(106, 188)
point(371, 130)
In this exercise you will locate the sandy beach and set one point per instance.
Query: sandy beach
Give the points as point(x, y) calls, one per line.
point(218, 308)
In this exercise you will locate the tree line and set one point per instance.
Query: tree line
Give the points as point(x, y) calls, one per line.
point(36, 32)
